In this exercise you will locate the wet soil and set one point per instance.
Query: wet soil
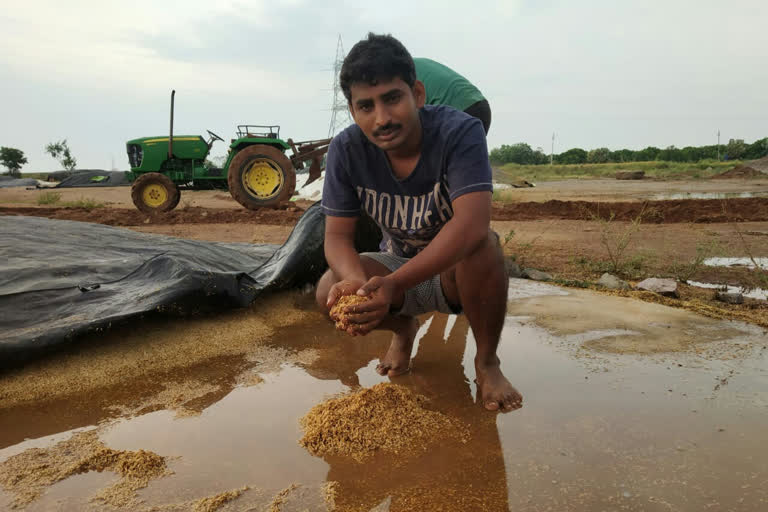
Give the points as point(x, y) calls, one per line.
point(627, 405)
point(667, 429)
point(658, 212)
point(654, 212)
point(131, 217)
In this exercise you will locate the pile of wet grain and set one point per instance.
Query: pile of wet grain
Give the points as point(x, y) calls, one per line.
point(27, 474)
point(337, 311)
point(387, 417)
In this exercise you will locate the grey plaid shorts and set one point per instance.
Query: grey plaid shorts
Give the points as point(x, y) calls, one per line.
point(425, 297)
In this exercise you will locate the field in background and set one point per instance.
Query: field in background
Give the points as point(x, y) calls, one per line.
point(706, 168)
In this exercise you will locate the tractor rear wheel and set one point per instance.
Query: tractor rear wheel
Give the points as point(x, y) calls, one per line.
point(260, 176)
point(154, 192)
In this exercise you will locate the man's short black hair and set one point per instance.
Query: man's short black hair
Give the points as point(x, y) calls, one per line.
point(381, 57)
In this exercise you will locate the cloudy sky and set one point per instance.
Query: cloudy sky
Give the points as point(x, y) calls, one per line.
point(597, 73)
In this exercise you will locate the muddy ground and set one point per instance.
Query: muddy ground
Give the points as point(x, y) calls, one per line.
point(629, 404)
point(568, 228)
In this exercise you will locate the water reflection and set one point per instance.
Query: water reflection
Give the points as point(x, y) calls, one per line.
point(737, 262)
point(453, 476)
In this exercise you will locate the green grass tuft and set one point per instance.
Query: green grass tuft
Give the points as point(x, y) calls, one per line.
point(49, 198)
point(84, 202)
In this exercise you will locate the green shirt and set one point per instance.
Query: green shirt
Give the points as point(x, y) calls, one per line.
point(445, 86)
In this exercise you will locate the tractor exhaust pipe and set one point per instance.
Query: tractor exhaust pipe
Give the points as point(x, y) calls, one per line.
point(170, 137)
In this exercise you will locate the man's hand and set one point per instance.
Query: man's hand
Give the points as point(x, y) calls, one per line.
point(344, 287)
point(363, 318)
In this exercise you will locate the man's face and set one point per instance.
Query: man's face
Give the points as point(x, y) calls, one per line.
point(388, 113)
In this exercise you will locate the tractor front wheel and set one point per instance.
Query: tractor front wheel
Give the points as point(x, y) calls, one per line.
point(154, 192)
point(260, 176)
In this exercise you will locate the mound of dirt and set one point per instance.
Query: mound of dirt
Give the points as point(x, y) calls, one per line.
point(386, 417)
point(761, 164)
point(286, 215)
point(740, 171)
point(752, 209)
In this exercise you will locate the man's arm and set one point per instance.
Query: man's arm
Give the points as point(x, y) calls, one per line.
point(460, 236)
point(340, 250)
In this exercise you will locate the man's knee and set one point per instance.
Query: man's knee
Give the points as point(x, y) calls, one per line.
point(488, 255)
point(322, 289)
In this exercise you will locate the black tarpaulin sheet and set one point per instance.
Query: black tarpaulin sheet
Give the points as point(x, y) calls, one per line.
point(60, 279)
point(8, 182)
point(94, 178)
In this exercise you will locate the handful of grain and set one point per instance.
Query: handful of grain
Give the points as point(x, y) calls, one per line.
point(386, 417)
point(337, 311)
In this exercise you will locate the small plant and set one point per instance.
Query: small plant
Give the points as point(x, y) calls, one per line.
point(84, 202)
point(684, 271)
point(760, 275)
point(508, 237)
point(616, 240)
point(49, 198)
point(523, 249)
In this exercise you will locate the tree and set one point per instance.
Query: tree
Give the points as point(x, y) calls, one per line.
point(60, 151)
point(520, 153)
point(622, 155)
point(735, 149)
point(572, 156)
point(757, 149)
point(12, 159)
point(599, 156)
point(648, 154)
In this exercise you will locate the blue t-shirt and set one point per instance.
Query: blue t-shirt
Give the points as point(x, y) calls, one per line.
point(411, 211)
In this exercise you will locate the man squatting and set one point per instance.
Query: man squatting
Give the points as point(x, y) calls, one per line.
point(422, 173)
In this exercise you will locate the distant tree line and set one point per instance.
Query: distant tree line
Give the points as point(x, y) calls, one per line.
point(736, 149)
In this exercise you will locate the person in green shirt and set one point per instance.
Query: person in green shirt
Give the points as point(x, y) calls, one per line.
point(446, 87)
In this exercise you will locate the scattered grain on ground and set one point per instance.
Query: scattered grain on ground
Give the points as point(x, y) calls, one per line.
point(212, 503)
point(27, 474)
point(153, 350)
point(176, 396)
point(386, 417)
point(279, 499)
point(330, 491)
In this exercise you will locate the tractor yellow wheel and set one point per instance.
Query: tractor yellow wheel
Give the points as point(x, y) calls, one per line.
point(154, 195)
point(261, 176)
point(154, 192)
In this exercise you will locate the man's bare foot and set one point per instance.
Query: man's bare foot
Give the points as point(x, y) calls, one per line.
point(397, 361)
point(496, 392)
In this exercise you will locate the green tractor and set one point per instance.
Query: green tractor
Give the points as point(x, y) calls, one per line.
point(257, 171)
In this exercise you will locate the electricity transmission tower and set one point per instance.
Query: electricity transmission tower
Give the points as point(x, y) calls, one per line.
point(339, 112)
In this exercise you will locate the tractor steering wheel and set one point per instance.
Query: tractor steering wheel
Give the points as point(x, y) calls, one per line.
point(214, 136)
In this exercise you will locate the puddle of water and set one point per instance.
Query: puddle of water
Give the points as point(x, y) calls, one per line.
point(596, 431)
point(706, 195)
point(757, 293)
point(737, 262)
